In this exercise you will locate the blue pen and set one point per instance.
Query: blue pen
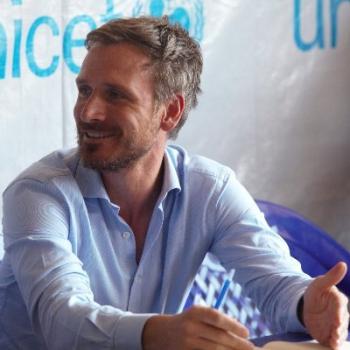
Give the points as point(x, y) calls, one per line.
point(224, 289)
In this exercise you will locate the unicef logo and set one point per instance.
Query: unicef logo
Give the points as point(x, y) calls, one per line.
point(20, 42)
point(188, 13)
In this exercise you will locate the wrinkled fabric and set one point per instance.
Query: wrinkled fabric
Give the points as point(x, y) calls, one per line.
point(69, 278)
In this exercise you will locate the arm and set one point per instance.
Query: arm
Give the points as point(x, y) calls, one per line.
point(272, 277)
point(268, 274)
point(54, 286)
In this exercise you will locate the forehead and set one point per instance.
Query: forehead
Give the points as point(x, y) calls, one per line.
point(122, 59)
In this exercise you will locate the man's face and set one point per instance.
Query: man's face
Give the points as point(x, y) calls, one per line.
point(115, 110)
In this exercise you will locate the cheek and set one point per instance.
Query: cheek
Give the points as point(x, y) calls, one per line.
point(76, 111)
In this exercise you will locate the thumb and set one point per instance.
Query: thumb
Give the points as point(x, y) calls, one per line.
point(333, 276)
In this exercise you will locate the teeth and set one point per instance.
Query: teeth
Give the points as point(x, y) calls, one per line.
point(97, 135)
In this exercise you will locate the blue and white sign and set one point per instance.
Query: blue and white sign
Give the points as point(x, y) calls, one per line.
point(46, 28)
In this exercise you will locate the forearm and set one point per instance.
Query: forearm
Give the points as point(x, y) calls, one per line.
point(264, 268)
point(278, 300)
point(60, 303)
point(71, 319)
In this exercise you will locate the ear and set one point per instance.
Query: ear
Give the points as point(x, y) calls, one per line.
point(172, 113)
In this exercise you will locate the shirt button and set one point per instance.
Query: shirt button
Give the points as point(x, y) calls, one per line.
point(126, 235)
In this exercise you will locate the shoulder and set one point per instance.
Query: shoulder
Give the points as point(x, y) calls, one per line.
point(205, 179)
point(198, 167)
point(42, 195)
point(56, 165)
point(51, 177)
point(42, 198)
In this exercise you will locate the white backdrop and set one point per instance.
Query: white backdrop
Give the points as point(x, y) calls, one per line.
point(275, 104)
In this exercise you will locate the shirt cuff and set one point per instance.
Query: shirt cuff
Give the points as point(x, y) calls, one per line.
point(128, 335)
point(294, 324)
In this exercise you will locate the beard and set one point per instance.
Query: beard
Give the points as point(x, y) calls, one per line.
point(122, 153)
point(112, 163)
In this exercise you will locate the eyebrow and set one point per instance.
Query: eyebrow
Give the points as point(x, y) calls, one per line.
point(79, 80)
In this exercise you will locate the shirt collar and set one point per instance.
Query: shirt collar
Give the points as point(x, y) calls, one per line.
point(171, 178)
point(91, 184)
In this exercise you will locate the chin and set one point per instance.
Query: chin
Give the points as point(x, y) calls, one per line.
point(100, 160)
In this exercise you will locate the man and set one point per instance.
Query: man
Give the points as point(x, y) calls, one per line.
point(102, 242)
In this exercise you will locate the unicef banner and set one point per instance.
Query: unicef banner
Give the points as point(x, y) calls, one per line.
point(275, 105)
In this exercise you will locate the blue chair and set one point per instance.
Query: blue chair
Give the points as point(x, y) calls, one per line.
point(313, 247)
point(1, 246)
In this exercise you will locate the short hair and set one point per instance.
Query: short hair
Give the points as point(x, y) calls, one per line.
point(175, 56)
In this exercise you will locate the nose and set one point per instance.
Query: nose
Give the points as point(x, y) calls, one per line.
point(91, 109)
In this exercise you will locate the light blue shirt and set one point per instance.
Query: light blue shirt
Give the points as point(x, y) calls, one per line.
point(69, 278)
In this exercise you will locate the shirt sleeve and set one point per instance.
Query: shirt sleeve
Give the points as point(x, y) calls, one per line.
point(264, 267)
point(51, 278)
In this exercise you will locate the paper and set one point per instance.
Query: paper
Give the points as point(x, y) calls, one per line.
point(311, 345)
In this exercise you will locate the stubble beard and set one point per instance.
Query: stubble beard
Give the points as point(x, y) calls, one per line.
point(115, 162)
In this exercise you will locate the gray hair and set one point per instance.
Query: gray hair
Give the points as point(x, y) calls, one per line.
point(176, 57)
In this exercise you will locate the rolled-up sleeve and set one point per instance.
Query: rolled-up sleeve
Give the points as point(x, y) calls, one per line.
point(55, 288)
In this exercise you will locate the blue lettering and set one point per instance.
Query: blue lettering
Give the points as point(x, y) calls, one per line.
point(156, 8)
point(319, 37)
point(29, 43)
point(41, 72)
point(3, 52)
point(110, 14)
point(334, 20)
point(69, 43)
point(16, 59)
point(181, 16)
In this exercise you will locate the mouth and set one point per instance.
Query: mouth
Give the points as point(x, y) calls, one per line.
point(97, 135)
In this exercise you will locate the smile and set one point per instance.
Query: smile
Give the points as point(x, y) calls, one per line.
point(96, 135)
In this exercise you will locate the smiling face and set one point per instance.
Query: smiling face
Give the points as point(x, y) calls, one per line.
point(115, 113)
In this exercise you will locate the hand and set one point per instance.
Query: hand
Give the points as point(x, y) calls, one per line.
point(199, 328)
point(325, 312)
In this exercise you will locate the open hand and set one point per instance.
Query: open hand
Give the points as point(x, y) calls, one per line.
point(325, 312)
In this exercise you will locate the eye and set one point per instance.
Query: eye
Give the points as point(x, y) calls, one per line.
point(84, 91)
point(114, 94)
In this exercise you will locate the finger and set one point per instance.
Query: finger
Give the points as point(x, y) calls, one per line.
point(202, 327)
point(343, 323)
point(336, 343)
point(340, 333)
point(219, 320)
point(205, 344)
point(222, 337)
point(340, 313)
point(231, 342)
point(333, 276)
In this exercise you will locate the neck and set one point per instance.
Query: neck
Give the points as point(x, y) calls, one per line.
point(136, 188)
